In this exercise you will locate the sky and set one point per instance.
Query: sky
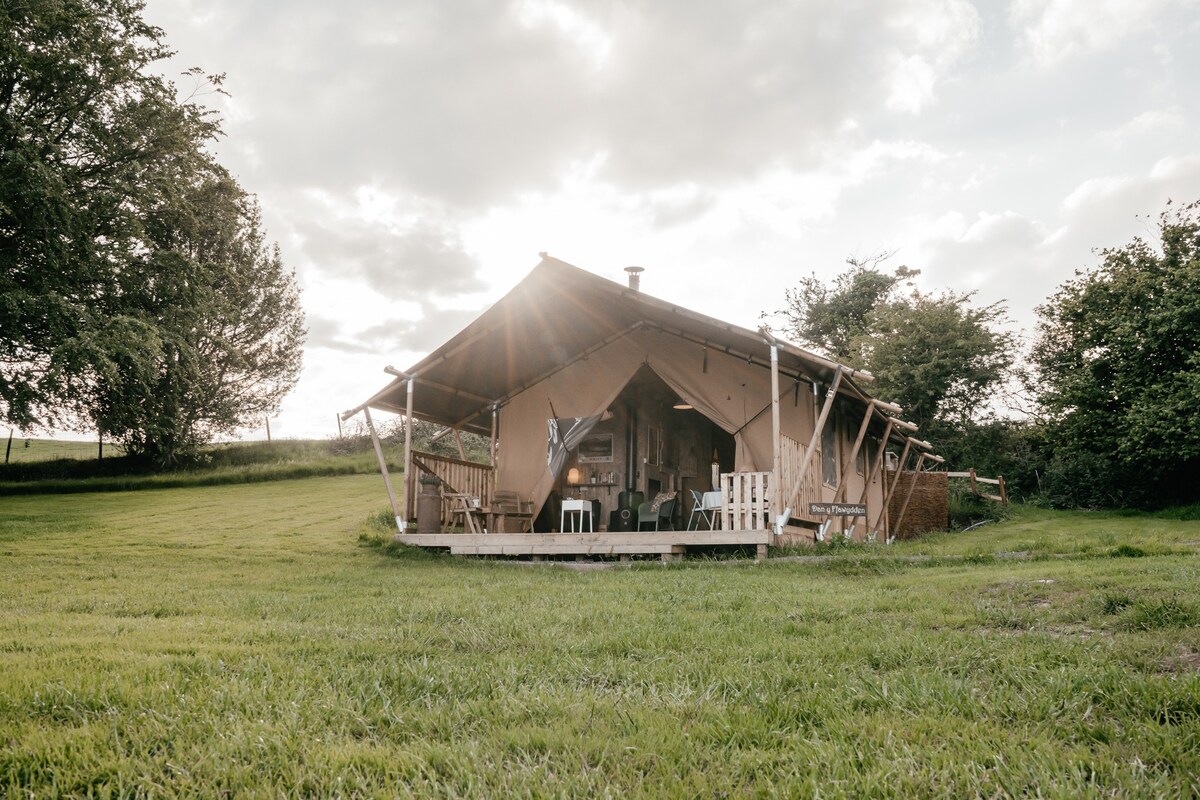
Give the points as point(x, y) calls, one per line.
point(413, 158)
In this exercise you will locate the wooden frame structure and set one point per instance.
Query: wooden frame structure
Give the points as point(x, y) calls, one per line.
point(471, 381)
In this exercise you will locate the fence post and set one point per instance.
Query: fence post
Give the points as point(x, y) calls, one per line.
point(1003, 493)
point(974, 486)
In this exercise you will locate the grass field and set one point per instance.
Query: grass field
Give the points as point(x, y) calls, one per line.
point(51, 449)
point(262, 640)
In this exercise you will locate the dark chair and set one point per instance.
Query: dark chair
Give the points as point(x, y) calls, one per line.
point(647, 513)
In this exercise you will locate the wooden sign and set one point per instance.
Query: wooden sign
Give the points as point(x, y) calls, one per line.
point(837, 509)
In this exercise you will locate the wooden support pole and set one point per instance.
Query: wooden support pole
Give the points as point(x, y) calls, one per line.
point(387, 481)
point(492, 445)
point(891, 487)
point(776, 442)
point(268, 421)
point(818, 429)
point(8, 450)
point(462, 451)
point(492, 456)
point(409, 478)
point(912, 487)
point(908, 443)
point(1003, 493)
point(339, 423)
point(99, 445)
point(849, 465)
point(876, 472)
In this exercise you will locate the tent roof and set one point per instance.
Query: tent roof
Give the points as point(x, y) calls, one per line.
point(555, 316)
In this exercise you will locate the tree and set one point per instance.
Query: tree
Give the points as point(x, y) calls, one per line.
point(829, 319)
point(220, 324)
point(80, 121)
point(137, 290)
point(935, 355)
point(1118, 362)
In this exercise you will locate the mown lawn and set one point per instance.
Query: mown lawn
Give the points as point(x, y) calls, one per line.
point(244, 640)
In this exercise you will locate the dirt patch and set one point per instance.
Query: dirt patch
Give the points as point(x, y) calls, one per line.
point(1185, 661)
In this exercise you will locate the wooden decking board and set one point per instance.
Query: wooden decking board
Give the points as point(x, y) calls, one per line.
point(647, 539)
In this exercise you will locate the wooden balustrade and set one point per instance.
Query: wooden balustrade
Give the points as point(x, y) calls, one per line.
point(746, 501)
point(463, 477)
point(810, 490)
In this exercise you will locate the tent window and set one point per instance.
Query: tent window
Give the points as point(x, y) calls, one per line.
point(829, 455)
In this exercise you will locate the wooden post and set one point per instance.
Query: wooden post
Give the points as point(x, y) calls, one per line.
point(891, 488)
point(840, 492)
point(462, 451)
point(908, 442)
point(387, 481)
point(974, 485)
point(8, 449)
point(100, 445)
point(492, 458)
point(776, 443)
point(818, 429)
point(268, 421)
point(339, 422)
point(492, 445)
point(849, 465)
point(876, 469)
point(912, 487)
point(1003, 493)
point(408, 476)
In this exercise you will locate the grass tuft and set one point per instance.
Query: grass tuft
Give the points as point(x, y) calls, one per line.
point(1163, 613)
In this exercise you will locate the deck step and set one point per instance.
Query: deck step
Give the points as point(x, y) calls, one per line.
point(565, 549)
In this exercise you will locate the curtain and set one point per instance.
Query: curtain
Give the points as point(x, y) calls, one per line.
point(565, 434)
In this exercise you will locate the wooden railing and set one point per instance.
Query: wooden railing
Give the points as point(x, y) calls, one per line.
point(810, 490)
point(458, 476)
point(976, 480)
point(746, 500)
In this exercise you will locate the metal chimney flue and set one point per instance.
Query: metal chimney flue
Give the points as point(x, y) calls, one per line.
point(635, 277)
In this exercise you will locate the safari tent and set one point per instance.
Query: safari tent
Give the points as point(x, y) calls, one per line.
point(590, 390)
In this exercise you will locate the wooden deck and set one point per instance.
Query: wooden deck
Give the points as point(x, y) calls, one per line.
point(667, 544)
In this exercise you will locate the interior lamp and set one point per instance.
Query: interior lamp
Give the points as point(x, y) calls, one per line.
point(682, 405)
point(573, 476)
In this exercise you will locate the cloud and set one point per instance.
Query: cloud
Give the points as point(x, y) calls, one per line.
point(389, 245)
point(942, 32)
point(1013, 256)
point(399, 337)
point(1148, 124)
point(1171, 177)
point(470, 107)
point(1061, 29)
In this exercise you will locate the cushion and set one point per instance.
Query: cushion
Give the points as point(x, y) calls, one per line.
point(661, 498)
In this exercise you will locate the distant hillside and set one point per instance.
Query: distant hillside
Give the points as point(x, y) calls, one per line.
point(25, 450)
point(73, 466)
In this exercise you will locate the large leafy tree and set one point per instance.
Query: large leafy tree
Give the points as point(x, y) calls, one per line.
point(936, 355)
point(829, 318)
point(216, 324)
point(136, 289)
point(1118, 362)
point(81, 119)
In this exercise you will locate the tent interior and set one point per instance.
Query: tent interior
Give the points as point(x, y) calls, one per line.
point(641, 443)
